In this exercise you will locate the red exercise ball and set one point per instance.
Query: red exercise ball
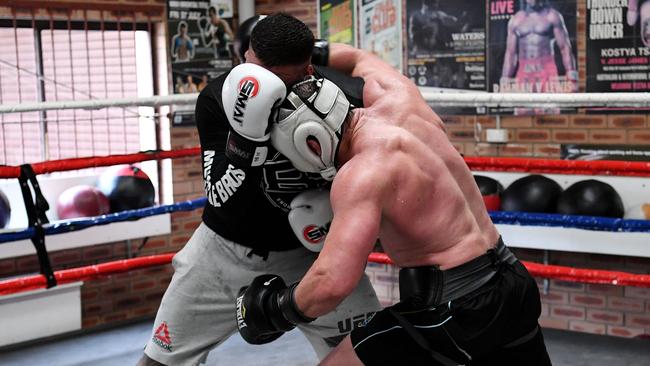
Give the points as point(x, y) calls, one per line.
point(81, 201)
point(490, 190)
point(5, 210)
point(127, 188)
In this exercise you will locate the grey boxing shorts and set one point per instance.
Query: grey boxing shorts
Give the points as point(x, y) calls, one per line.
point(197, 311)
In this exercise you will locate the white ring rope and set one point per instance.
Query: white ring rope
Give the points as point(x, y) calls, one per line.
point(436, 99)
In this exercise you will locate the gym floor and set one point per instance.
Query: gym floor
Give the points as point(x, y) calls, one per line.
point(123, 346)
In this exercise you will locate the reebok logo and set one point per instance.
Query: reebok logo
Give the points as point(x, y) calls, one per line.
point(161, 337)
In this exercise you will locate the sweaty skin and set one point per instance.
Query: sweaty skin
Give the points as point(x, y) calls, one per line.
point(400, 180)
point(529, 44)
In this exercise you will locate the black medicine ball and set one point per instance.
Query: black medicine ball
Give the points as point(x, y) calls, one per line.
point(533, 193)
point(127, 188)
point(591, 198)
point(243, 35)
point(5, 210)
point(487, 185)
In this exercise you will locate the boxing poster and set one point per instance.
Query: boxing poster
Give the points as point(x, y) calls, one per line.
point(200, 46)
point(618, 37)
point(446, 44)
point(337, 20)
point(380, 29)
point(605, 152)
point(532, 49)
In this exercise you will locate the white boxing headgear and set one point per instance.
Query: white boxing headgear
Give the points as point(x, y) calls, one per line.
point(314, 111)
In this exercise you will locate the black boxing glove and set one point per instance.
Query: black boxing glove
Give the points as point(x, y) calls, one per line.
point(266, 309)
point(321, 53)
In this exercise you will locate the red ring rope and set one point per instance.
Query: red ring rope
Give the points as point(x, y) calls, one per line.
point(524, 165)
point(83, 273)
point(96, 161)
point(15, 285)
point(602, 167)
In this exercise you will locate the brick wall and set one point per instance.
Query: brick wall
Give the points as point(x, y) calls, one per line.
point(541, 136)
point(110, 10)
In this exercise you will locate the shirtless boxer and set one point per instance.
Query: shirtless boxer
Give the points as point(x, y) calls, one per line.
point(464, 297)
point(426, 28)
point(251, 191)
point(529, 55)
point(217, 34)
point(182, 46)
point(633, 13)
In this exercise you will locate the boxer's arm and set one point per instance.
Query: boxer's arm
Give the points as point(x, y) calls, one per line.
point(563, 42)
point(411, 28)
point(380, 78)
point(356, 62)
point(173, 48)
point(446, 19)
point(356, 201)
point(227, 29)
point(510, 56)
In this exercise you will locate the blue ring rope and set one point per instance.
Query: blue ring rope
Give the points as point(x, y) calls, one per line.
point(79, 224)
point(570, 221)
point(498, 217)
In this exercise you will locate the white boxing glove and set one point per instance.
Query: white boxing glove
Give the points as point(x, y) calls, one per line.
point(250, 95)
point(310, 218)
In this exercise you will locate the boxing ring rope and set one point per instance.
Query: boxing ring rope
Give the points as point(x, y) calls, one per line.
point(636, 169)
point(498, 217)
point(577, 167)
point(563, 273)
point(540, 270)
point(437, 99)
point(98, 161)
point(475, 163)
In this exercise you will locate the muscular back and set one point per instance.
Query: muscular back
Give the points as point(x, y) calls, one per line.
point(400, 157)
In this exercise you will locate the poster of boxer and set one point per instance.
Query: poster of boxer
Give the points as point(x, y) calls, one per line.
point(618, 37)
point(380, 30)
point(532, 49)
point(200, 45)
point(446, 44)
point(336, 21)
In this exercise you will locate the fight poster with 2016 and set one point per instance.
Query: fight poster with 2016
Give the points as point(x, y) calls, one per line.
point(336, 21)
point(200, 45)
point(532, 49)
point(446, 44)
point(380, 29)
point(618, 41)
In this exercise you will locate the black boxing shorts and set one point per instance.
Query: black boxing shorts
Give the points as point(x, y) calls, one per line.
point(483, 312)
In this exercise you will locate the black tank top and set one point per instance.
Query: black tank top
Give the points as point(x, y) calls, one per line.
point(249, 205)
